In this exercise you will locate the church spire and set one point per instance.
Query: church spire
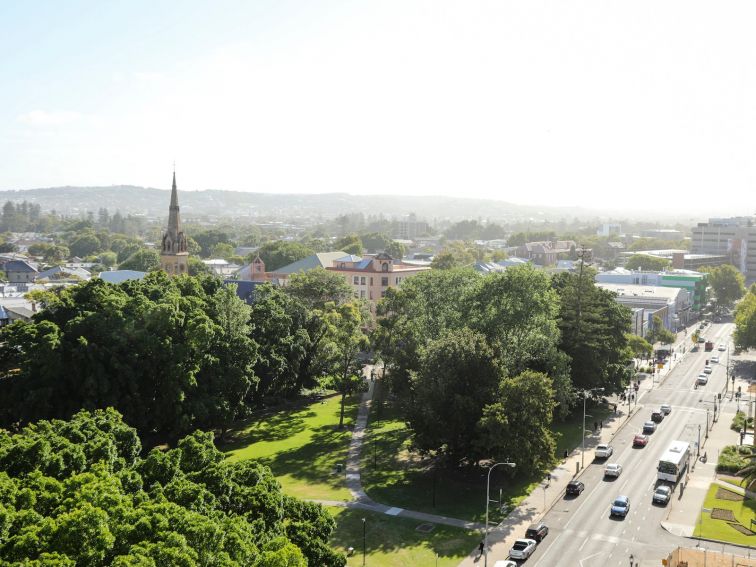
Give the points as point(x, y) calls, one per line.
point(174, 252)
point(174, 219)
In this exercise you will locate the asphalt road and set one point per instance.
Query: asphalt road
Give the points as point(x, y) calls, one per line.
point(581, 531)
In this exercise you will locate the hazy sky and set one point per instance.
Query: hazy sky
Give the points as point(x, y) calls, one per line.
point(633, 104)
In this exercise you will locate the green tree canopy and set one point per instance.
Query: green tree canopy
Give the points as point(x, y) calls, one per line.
point(78, 493)
point(745, 321)
point(351, 244)
point(170, 353)
point(727, 285)
point(143, 260)
point(281, 253)
point(319, 286)
point(646, 263)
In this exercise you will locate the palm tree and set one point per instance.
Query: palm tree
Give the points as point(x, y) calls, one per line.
point(749, 472)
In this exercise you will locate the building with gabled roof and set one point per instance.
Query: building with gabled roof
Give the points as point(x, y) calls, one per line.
point(370, 276)
point(20, 271)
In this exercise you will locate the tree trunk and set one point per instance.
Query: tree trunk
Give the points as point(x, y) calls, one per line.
point(341, 418)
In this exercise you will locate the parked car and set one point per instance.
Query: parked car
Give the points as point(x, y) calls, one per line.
point(604, 451)
point(505, 563)
point(613, 469)
point(707, 369)
point(662, 494)
point(702, 380)
point(714, 359)
point(657, 416)
point(666, 409)
point(721, 348)
point(620, 506)
point(537, 531)
point(522, 548)
point(575, 487)
point(640, 440)
point(649, 427)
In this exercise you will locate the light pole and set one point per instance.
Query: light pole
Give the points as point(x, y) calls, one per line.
point(364, 540)
point(707, 423)
point(698, 447)
point(582, 457)
point(488, 499)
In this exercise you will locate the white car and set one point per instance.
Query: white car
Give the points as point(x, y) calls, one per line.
point(702, 380)
point(522, 548)
point(722, 348)
point(505, 563)
point(714, 359)
point(613, 469)
point(666, 409)
point(708, 370)
point(604, 451)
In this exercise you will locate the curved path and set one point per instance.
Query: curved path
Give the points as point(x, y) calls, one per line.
point(360, 499)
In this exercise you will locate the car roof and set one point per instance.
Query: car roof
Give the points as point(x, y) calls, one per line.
point(622, 499)
point(663, 487)
point(575, 482)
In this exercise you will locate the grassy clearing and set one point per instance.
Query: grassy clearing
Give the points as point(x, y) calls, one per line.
point(394, 542)
point(744, 511)
point(301, 445)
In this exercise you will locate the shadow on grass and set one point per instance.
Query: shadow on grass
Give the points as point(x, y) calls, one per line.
point(309, 458)
point(391, 535)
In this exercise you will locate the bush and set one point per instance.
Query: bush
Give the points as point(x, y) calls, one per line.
point(733, 458)
point(739, 420)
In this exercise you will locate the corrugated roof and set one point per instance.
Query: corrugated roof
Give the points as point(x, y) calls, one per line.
point(319, 260)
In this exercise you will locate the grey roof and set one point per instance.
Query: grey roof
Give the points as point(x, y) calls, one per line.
point(62, 272)
point(349, 258)
point(120, 276)
point(24, 312)
point(319, 260)
point(19, 266)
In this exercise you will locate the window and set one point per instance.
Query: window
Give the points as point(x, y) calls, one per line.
point(383, 293)
point(362, 280)
point(384, 281)
point(356, 295)
point(384, 267)
point(356, 280)
point(362, 294)
point(371, 280)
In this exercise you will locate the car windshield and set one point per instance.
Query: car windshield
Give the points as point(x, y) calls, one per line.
point(519, 544)
point(621, 503)
point(662, 490)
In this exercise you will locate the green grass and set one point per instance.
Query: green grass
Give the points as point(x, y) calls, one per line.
point(394, 542)
point(301, 445)
point(744, 510)
point(393, 475)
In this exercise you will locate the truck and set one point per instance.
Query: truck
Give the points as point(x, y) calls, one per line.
point(708, 346)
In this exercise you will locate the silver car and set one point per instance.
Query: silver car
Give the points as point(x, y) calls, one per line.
point(522, 548)
point(662, 494)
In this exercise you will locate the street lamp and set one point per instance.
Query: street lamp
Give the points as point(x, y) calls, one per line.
point(698, 447)
point(488, 499)
point(582, 458)
point(364, 539)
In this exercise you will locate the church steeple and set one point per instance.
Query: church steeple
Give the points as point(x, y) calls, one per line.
point(174, 257)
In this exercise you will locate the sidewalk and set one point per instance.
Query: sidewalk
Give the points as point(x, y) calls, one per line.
point(685, 509)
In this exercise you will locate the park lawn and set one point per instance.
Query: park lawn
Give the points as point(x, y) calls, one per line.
point(720, 530)
point(391, 474)
point(301, 445)
point(394, 542)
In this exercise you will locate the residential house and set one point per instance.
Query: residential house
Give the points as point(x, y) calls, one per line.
point(546, 253)
point(63, 273)
point(20, 271)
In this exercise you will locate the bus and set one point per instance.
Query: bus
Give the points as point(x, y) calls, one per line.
point(674, 461)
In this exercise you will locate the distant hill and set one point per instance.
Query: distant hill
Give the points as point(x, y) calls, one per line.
point(153, 203)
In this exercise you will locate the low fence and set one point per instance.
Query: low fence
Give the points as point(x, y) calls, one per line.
point(684, 557)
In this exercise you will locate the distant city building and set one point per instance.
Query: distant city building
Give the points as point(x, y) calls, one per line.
point(695, 283)
point(733, 238)
point(221, 267)
point(174, 256)
point(682, 259)
point(370, 277)
point(411, 228)
point(609, 229)
point(546, 253)
point(671, 304)
point(662, 234)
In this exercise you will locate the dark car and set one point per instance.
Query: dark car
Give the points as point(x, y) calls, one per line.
point(575, 487)
point(620, 506)
point(657, 416)
point(537, 531)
